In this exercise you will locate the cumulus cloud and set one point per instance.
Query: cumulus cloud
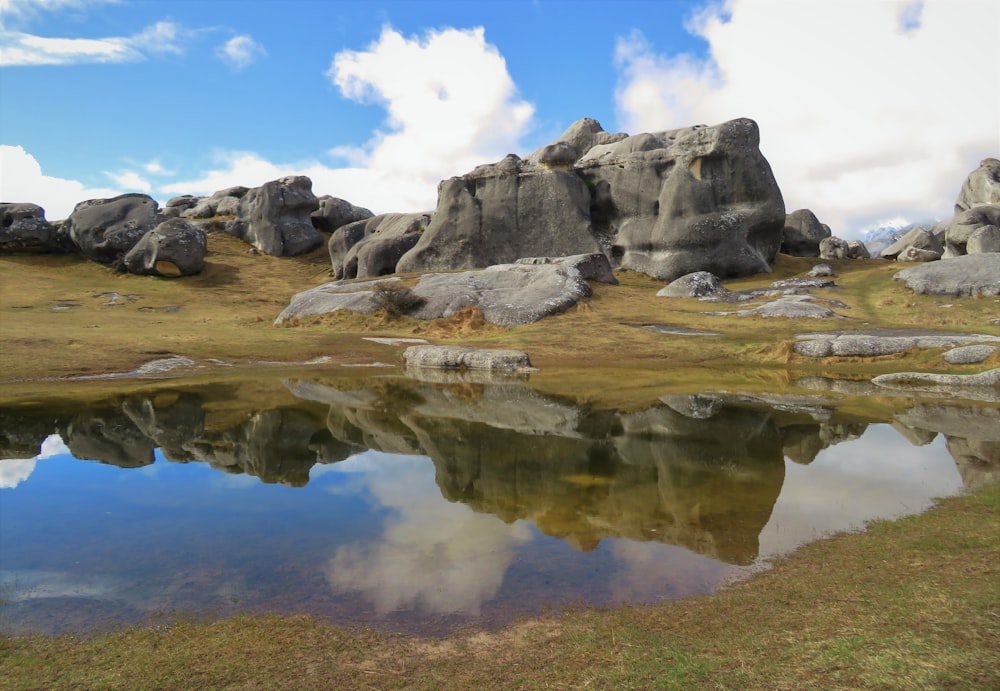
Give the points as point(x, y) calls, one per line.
point(14, 471)
point(23, 181)
point(450, 103)
point(885, 119)
point(130, 181)
point(23, 49)
point(434, 556)
point(240, 52)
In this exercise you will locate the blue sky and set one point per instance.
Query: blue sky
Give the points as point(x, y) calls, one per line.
point(868, 110)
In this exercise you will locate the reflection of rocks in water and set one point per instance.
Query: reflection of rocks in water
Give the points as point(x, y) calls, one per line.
point(972, 436)
point(22, 434)
point(802, 443)
point(108, 436)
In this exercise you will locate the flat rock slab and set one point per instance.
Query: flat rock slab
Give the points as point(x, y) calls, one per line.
point(983, 386)
point(356, 296)
point(460, 357)
point(970, 275)
point(969, 355)
point(881, 342)
point(790, 307)
point(678, 330)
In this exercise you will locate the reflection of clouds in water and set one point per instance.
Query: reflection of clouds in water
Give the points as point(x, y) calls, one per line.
point(14, 471)
point(652, 571)
point(877, 476)
point(31, 585)
point(433, 555)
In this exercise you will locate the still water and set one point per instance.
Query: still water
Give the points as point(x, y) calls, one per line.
point(425, 506)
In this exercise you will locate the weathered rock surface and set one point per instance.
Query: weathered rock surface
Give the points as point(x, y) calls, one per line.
point(334, 212)
point(836, 248)
point(592, 267)
point(802, 234)
point(976, 226)
point(989, 379)
point(693, 285)
point(789, 307)
point(333, 296)
point(23, 228)
point(461, 357)
point(174, 248)
point(507, 294)
point(105, 229)
point(970, 275)
point(224, 202)
point(821, 271)
point(176, 206)
point(982, 186)
point(275, 217)
point(880, 342)
point(373, 246)
point(969, 355)
point(665, 204)
point(918, 239)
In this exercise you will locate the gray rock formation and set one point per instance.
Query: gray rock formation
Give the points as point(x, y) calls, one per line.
point(592, 267)
point(693, 285)
point(330, 297)
point(174, 248)
point(836, 248)
point(461, 357)
point(178, 205)
point(225, 203)
point(880, 342)
point(982, 186)
point(969, 355)
point(802, 234)
point(789, 307)
point(275, 217)
point(933, 381)
point(23, 228)
point(106, 229)
point(373, 246)
point(970, 275)
point(507, 294)
point(665, 204)
point(334, 212)
point(976, 226)
point(821, 271)
point(920, 239)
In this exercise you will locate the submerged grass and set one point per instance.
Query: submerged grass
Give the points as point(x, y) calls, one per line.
point(909, 604)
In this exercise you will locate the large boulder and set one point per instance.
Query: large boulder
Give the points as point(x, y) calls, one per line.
point(917, 239)
point(275, 217)
point(23, 228)
point(333, 213)
point(224, 203)
point(802, 234)
point(666, 204)
point(372, 247)
point(981, 187)
point(959, 231)
point(970, 275)
point(176, 247)
point(106, 229)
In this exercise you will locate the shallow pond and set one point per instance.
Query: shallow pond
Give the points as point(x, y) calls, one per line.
point(424, 506)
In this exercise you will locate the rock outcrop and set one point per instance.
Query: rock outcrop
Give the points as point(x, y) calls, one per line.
point(23, 228)
point(174, 248)
point(461, 357)
point(276, 217)
point(919, 244)
point(665, 203)
point(970, 275)
point(982, 186)
point(106, 229)
point(334, 212)
point(973, 231)
point(802, 234)
point(372, 247)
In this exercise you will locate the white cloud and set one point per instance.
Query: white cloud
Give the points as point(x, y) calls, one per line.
point(22, 49)
point(14, 471)
point(130, 181)
point(451, 105)
point(31, 8)
point(240, 52)
point(885, 118)
point(22, 180)
point(155, 168)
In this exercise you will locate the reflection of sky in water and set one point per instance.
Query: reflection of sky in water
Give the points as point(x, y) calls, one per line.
point(878, 476)
point(433, 555)
point(372, 536)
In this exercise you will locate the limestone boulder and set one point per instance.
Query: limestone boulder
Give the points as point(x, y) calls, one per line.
point(224, 202)
point(971, 275)
point(980, 221)
point(276, 217)
point(106, 229)
point(334, 213)
point(462, 357)
point(802, 234)
point(665, 204)
point(984, 239)
point(693, 285)
point(982, 186)
point(23, 228)
point(176, 206)
point(174, 248)
point(372, 247)
point(919, 239)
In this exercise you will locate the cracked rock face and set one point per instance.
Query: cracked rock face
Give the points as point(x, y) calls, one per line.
point(665, 204)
